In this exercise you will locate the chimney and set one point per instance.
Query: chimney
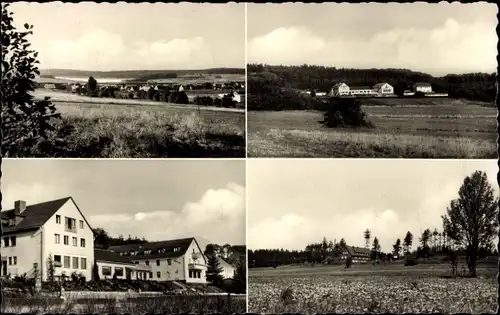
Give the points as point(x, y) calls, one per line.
point(19, 207)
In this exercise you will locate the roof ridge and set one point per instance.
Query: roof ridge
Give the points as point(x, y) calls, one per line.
point(45, 202)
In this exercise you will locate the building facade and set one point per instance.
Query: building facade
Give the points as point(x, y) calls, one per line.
point(339, 89)
point(383, 88)
point(110, 264)
point(422, 87)
point(357, 254)
point(55, 230)
point(179, 260)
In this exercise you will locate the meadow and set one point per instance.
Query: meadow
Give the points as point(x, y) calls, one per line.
point(372, 289)
point(443, 128)
point(144, 130)
point(163, 304)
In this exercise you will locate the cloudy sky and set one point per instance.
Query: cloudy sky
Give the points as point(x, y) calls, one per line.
point(435, 38)
point(301, 201)
point(90, 36)
point(156, 199)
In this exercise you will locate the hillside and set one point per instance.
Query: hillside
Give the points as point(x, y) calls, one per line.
point(119, 74)
point(266, 79)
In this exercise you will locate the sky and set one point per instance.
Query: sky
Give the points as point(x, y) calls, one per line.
point(299, 202)
point(434, 38)
point(155, 199)
point(128, 36)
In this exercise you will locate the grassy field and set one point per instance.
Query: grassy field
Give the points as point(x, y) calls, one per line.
point(442, 129)
point(133, 131)
point(192, 304)
point(372, 289)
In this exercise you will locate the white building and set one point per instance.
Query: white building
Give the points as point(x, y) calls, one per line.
point(362, 91)
point(339, 89)
point(31, 234)
point(227, 269)
point(236, 96)
point(383, 88)
point(179, 260)
point(422, 87)
point(110, 264)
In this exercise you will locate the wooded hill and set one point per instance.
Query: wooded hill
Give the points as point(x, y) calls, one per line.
point(264, 78)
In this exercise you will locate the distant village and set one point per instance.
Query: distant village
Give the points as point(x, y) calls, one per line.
point(378, 90)
point(156, 91)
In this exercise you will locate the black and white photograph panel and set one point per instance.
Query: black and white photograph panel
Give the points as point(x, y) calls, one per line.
point(372, 236)
point(123, 80)
point(123, 236)
point(372, 80)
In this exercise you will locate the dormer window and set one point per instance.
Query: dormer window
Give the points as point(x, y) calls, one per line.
point(176, 249)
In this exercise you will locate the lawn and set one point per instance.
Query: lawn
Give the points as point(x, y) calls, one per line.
point(447, 129)
point(372, 289)
point(144, 131)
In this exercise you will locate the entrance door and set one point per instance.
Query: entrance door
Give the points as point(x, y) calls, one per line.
point(4, 267)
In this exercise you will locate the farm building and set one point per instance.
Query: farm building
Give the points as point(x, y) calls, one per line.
point(236, 96)
point(383, 88)
point(358, 254)
point(422, 87)
point(339, 89)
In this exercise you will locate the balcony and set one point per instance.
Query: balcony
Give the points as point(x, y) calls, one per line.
point(71, 229)
point(196, 265)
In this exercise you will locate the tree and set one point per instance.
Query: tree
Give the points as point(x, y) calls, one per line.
point(92, 88)
point(367, 236)
point(240, 275)
point(345, 112)
point(435, 236)
point(95, 272)
point(472, 219)
point(376, 247)
point(25, 122)
point(51, 270)
point(396, 248)
point(213, 270)
point(408, 242)
point(182, 98)
point(424, 241)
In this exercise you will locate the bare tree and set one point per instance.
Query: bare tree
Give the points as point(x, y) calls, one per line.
point(471, 220)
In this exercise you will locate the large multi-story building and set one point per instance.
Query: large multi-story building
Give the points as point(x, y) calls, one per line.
point(422, 87)
point(357, 254)
point(34, 234)
point(57, 231)
point(179, 260)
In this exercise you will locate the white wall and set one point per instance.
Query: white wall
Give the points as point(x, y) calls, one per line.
point(188, 259)
point(227, 270)
point(27, 251)
point(172, 272)
point(50, 247)
point(113, 265)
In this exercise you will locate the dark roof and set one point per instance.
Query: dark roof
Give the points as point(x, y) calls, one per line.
point(360, 88)
point(357, 251)
point(422, 84)
point(34, 216)
point(379, 85)
point(169, 246)
point(110, 256)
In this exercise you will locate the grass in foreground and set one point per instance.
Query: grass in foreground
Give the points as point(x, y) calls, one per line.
point(400, 132)
point(372, 293)
point(193, 304)
point(121, 131)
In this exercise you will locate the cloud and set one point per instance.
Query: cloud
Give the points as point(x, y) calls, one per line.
point(219, 216)
point(452, 47)
point(102, 50)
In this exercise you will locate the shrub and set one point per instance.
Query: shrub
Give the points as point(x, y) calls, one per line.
point(345, 112)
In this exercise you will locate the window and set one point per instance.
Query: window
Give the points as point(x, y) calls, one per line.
point(67, 262)
point(82, 242)
point(58, 238)
point(10, 260)
point(6, 241)
point(70, 224)
point(106, 271)
point(119, 271)
point(150, 275)
point(157, 262)
point(14, 260)
point(13, 241)
point(83, 263)
point(66, 240)
point(147, 262)
point(190, 273)
point(57, 261)
point(58, 219)
point(75, 262)
point(75, 241)
point(169, 262)
point(158, 274)
point(81, 224)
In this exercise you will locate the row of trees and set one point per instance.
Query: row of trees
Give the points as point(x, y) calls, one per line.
point(473, 86)
point(469, 227)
